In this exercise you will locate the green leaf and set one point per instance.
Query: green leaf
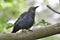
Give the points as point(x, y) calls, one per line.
point(9, 25)
point(8, 0)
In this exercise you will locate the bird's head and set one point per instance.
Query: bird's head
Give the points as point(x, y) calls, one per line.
point(32, 9)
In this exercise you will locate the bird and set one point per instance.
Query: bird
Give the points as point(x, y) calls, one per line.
point(26, 20)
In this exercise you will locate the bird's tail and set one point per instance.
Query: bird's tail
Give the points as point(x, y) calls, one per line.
point(15, 29)
point(13, 32)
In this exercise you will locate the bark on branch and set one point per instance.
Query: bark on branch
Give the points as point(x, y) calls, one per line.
point(36, 34)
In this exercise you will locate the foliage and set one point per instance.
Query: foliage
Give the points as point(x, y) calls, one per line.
point(10, 9)
point(43, 22)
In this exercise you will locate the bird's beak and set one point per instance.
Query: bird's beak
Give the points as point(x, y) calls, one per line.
point(36, 7)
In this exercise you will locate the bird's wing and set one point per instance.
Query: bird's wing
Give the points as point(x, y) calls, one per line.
point(21, 17)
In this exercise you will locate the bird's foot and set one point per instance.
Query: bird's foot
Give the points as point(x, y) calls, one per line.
point(30, 30)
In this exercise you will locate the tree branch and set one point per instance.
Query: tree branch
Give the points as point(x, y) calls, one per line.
point(36, 34)
point(53, 9)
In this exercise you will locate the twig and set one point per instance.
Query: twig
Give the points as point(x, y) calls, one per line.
point(53, 9)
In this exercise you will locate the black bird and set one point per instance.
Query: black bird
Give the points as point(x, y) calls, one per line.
point(26, 20)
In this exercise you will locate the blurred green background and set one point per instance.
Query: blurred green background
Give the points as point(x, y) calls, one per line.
point(10, 10)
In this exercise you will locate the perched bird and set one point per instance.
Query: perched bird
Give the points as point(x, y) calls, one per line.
point(25, 21)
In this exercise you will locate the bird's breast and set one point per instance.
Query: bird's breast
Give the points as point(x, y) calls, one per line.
point(26, 22)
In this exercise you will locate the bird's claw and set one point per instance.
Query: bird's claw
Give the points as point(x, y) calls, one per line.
point(30, 30)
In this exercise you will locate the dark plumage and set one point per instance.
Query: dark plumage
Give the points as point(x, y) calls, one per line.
point(26, 20)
